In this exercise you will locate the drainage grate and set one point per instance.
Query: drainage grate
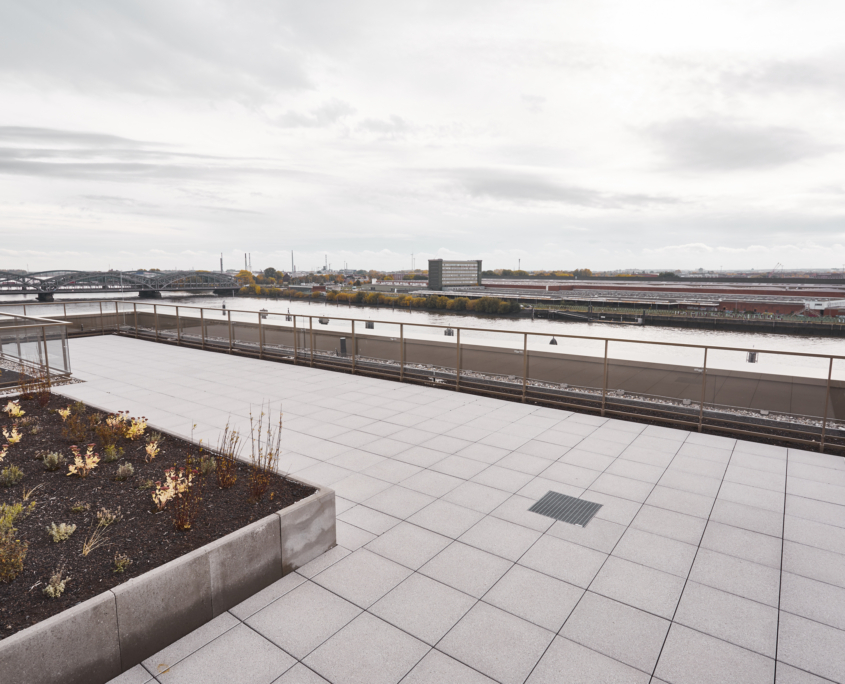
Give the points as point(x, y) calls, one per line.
point(565, 508)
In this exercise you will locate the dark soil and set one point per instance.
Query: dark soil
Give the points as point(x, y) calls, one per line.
point(148, 537)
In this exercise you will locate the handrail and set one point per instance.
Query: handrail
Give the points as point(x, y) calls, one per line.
point(465, 328)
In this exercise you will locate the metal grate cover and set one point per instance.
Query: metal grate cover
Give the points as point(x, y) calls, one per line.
point(565, 508)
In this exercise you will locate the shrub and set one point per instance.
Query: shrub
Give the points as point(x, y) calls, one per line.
point(175, 482)
point(125, 471)
point(207, 465)
point(60, 532)
point(83, 464)
point(13, 409)
point(56, 586)
point(10, 476)
point(121, 562)
point(12, 437)
point(106, 517)
point(43, 390)
point(136, 428)
point(112, 453)
point(12, 551)
point(80, 507)
point(94, 541)
point(76, 426)
point(187, 503)
point(53, 460)
point(64, 413)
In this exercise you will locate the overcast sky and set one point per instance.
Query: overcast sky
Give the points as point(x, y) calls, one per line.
point(568, 134)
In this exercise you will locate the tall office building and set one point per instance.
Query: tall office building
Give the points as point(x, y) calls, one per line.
point(445, 274)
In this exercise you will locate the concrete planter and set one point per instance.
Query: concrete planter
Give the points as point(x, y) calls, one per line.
point(98, 639)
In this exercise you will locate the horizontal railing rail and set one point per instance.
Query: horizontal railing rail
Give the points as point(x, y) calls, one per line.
point(814, 427)
point(26, 345)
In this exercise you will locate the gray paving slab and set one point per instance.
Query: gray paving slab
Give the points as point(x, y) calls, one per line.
point(729, 617)
point(409, 545)
point(619, 631)
point(466, 568)
point(564, 560)
point(438, 667)
point(566, 661)
point(639, 586)
point(533, 596)
point(497, 644)
point(303, 619)
point(181, 649)
point(363, 577)
point(500, 537)
point(423, 607)
point(404, 453)
point(240, 654)
point(811, 646)
point(691, 657)
point(367, 651)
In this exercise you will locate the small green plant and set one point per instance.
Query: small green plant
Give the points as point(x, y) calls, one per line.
point(146, 484)
point(53, 460)
point(12, 551)
point(10, 476)
point(78, 407)
point(106, 517)
point(112, 453)
point(207, 465)
point(121, 562)
point(60, 532)
point(79, 507)
point(56, 586)
point(125, 471)
point(34, 430)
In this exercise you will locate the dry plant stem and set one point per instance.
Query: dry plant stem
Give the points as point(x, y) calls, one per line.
point(226, 462)
point(266, 443)
point(187, 503)
point(95, 540)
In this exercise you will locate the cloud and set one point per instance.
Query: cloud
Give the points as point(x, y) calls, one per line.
point(534, 103)
point(321, 117)
point(722, 144)
point(392, 127)
point(517, 186)
point(53, 136)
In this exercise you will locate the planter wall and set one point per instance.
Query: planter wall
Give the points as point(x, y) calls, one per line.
point(98, 639)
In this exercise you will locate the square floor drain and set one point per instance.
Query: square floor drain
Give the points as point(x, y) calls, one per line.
point(565, 508)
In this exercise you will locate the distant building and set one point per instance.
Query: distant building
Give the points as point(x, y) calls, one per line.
point(445, 274)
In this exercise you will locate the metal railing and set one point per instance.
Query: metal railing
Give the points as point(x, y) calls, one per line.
point(33, 346)
point(707, 388)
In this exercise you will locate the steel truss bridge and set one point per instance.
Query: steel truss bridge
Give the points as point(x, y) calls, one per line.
point(46, 284)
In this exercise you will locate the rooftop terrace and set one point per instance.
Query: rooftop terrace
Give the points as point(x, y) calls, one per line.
point(710, 560)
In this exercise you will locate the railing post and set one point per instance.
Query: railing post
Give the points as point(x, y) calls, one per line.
point(524, 366)
point(311, 334)
point(102, 325)
point(354, 350)
point(826, 402)
point(401, 352)
point(155, 317)
point(229, 316)
point(260, 337)
point(116, 316)
point(703, 386)
point(135, 310)
point(178, 329)
point(295, 341)
point(46, 358)
point(458, 364)
point(604, 384)
point(202, 326)
point(64, 307)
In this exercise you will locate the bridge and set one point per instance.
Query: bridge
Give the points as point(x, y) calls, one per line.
point(46, 284)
